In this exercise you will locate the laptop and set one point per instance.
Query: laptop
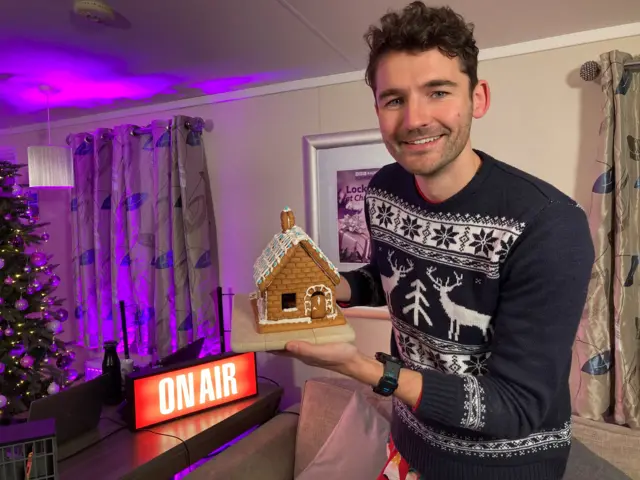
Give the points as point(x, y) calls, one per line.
point(75, 410)
point(185, 354)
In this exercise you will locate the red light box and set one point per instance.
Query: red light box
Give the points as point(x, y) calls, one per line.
point(167, 393)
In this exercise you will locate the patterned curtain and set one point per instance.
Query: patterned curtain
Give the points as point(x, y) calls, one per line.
point(141, 234)
point(605, 378)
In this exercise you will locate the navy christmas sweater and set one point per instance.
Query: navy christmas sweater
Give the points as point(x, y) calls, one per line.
point(485, 292)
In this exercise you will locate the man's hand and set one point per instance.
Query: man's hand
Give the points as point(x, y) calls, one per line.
point(338, 357)
point(344, 358)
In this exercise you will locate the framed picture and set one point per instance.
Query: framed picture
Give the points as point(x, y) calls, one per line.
point(338, 167)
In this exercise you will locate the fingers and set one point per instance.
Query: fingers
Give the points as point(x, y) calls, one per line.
point(298, 347)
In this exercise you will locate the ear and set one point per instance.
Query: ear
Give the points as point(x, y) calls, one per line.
point(481, 98)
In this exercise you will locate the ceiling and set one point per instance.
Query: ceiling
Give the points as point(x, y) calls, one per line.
point(156, 51)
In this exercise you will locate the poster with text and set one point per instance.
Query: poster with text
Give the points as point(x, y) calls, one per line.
point(353, 237)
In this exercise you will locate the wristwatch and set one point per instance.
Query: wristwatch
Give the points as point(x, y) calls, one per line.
point(389, 380)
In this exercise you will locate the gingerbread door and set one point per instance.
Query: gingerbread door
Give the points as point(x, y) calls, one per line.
point(318, 305)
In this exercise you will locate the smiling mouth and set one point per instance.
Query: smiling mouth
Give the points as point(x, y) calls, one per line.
point(423, 141)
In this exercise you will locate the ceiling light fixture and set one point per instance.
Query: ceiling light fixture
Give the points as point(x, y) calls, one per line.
point(50, 166)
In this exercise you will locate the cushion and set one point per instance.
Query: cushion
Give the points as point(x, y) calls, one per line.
point(323, 401)
point(583, 464)
point(361, 427)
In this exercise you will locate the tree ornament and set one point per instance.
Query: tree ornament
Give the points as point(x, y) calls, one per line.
point(53, 326)
point(27, 361)
point(8, 217)
point(16, 190)
point(17, 350)
point(36, 285)
point(8, 280)
point(53, 388)
point(2, 367)
point(30, 290)
point(1, 262)
point(27, 269)
point(21, 304)
point(54, 280)
point(38, 259)
point(62, 314)
point(72, 375)
point(44, 237)
point(8, 331)
point(63, 362)
point(3, 401)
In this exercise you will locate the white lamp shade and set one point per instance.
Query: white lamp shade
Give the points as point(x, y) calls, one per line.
point(50, 167)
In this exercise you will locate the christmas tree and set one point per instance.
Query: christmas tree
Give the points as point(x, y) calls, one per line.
point(33, 362)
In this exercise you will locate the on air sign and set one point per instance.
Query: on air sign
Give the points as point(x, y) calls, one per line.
point(169, 393)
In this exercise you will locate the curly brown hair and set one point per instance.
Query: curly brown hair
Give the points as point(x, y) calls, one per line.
point(418, 28)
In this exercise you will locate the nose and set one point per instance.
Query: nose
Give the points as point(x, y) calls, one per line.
point(416, 113)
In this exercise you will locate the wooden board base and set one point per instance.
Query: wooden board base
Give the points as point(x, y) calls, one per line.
point(245, 336)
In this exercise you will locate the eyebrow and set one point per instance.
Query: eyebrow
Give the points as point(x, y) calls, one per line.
point(394, 92)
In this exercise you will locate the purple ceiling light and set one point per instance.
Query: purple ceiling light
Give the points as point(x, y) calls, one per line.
point(50, 166)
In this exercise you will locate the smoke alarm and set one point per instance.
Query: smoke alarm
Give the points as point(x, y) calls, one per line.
point(94, 11)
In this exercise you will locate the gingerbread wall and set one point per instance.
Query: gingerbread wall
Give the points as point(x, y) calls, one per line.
point(296, 277)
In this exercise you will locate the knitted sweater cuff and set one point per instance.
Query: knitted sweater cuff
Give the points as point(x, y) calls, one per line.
point(440, 399)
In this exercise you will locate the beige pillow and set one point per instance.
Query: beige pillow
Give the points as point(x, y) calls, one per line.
point(357, 447)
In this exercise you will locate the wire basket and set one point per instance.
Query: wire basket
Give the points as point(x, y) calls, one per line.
point(28, 451)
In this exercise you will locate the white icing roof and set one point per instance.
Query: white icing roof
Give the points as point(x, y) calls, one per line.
point(277, 249)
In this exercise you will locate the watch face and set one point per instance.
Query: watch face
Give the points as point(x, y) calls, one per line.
point(386, 387)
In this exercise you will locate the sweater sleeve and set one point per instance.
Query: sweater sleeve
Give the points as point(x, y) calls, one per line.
point(365, 282)
point(543, 292)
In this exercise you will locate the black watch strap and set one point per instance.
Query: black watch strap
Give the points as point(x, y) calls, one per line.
point(388, 383)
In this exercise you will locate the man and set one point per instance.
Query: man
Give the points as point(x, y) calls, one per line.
point(484, 269)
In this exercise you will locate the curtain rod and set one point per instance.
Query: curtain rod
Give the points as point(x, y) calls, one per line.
point(591, 70)
point(195, 124)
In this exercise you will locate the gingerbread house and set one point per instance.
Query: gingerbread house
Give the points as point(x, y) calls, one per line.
point(295, 283)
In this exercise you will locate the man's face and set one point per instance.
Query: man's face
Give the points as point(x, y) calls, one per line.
point(425, 109)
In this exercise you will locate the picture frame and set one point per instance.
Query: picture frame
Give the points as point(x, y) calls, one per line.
point(328, 159)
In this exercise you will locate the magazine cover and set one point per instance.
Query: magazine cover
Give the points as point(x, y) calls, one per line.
point(353, 236)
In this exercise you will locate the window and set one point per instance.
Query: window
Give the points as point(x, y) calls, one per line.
point(288, 301)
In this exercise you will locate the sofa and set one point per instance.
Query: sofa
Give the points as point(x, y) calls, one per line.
point(292, 444)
